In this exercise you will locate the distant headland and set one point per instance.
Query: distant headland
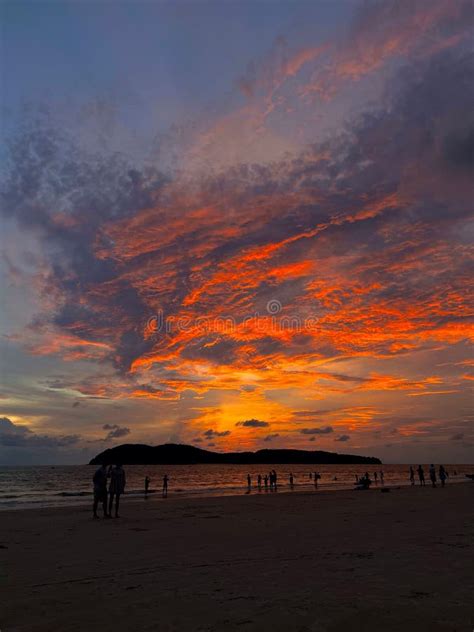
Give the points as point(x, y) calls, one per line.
point(180, 454)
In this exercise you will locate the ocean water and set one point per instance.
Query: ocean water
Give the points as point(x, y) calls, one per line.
point(45, 486)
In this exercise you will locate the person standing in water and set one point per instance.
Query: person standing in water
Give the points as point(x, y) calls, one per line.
point(249, 482)
point(421, 475)
point(165, 486)
point(412, 475)
point(433, 475)
point(376, 478)
point(291, 480)
point(147, 484)
point(381, 477)
point(116, 488)
point(100, 490)
point(259, 482)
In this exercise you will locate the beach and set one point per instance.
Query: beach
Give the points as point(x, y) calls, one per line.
point(314, 561)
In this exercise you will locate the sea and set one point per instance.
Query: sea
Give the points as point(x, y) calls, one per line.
point(50, 486)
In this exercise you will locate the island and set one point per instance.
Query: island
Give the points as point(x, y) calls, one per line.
point(181, 454)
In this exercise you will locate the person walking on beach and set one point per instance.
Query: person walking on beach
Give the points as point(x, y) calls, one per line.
point(442, 475)
point(381, 477)
point(270, 478)
point(274, 480)
point(100, 490)
point(317, 476)
point(147, 484)
point(375, 478)
point(265, 481)
point(259, 482)
point(433, 475)
point(165, 486)
point(249, 482)
point(421, 475)
point(412, 475)
point(291, 480)
point(116, 488)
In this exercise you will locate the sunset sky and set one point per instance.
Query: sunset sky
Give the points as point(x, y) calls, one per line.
point(238, 225)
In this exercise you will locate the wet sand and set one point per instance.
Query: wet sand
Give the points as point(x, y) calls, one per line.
point(319, 562)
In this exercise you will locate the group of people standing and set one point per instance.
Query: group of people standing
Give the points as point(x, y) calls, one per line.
point(110, 498)
point(268, 480)
point(442, 473)
point(116, 474)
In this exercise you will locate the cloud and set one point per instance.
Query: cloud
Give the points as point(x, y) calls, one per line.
point(316, 431)
point(115, 431)
point(343, 437)
point(212, 434)
point(253, 423)
point(21, 436)
point(270, 437)
point(108, 261)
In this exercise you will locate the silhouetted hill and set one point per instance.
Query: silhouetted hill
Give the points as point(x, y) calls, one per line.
point(172, 453)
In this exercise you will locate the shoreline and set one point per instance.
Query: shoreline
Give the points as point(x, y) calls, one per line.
point(304, 561)
point(85, 499)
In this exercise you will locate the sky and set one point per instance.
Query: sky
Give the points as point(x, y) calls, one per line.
point(237, 225)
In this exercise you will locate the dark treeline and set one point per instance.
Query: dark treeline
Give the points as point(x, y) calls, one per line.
point(177, 454)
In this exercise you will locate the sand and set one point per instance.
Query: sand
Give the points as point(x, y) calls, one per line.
point(323, 561)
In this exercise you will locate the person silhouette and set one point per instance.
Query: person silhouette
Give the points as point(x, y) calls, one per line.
point(249, 482)
point(421, 475)
point(381, 477)
point(291, 480)
point(274, 480)
point(412, 475)
point(259, 482)
point(100, 490)
point(442, 475)
point(265, 482)
point(147, 484)
point(433, 475)
point(376, 478)
point(116, 488)
point(165, 486)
